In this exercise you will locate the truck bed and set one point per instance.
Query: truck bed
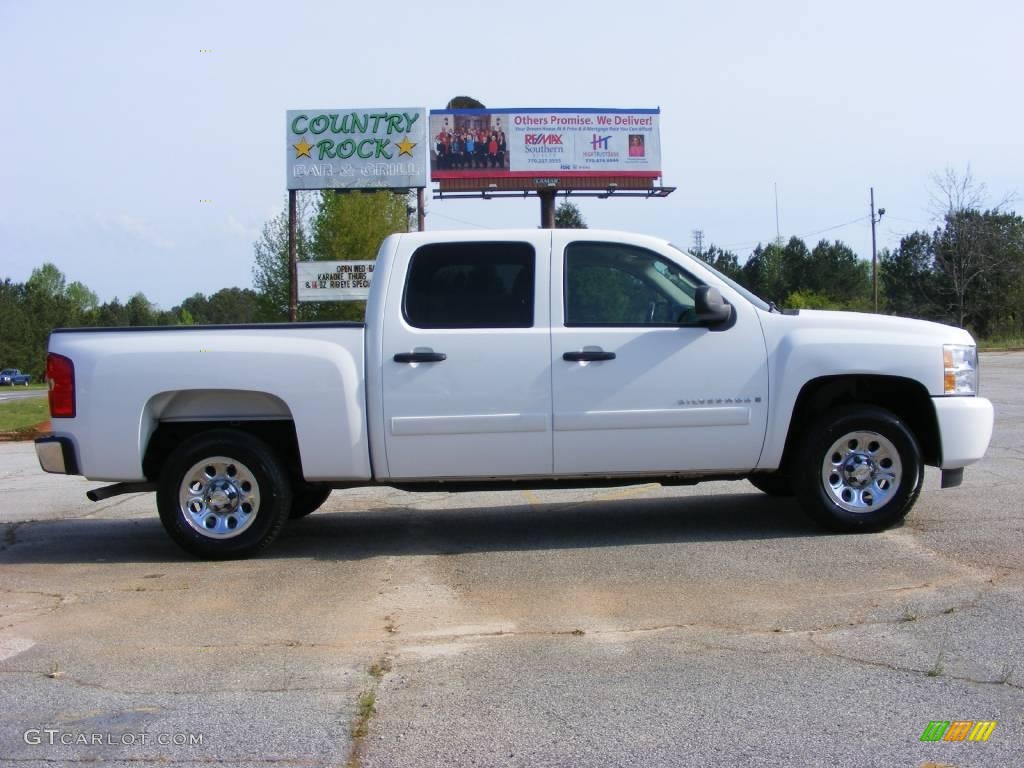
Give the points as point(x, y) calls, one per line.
point(136, 378)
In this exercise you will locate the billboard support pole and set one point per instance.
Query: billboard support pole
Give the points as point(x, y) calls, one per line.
point(293, 282)
point(421, 215)
point(547, 208)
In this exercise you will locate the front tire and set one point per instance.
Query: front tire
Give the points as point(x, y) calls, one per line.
point(859, 469)
point(223, 494)
point(776, 483)
point(307, 498)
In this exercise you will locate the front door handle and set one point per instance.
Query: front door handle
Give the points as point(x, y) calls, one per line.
point(588, 355)
point(420, 357)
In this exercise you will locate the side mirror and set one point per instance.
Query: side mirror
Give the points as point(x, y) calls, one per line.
point(710, 307)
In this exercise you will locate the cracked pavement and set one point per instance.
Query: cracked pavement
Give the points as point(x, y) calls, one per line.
point(630, 626)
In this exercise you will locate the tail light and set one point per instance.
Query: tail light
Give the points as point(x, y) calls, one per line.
point(60, 375)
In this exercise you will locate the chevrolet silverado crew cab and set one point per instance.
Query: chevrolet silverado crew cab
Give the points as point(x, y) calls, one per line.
point(521, 359)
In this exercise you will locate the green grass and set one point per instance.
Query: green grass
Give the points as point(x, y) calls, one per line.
point(366, 709)
point(23, 414)
point(29, 388)
point(1001, 342)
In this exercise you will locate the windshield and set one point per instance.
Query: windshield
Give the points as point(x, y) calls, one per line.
point(7, 372)
point(754, 299)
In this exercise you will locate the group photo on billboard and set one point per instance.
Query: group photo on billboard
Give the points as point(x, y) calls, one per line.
point(468, 140)
point(495, 143)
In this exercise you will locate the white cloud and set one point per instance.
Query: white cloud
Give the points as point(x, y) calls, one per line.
point(235, 227)
point(134, 227)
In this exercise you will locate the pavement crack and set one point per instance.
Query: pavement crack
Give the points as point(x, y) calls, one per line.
point(32, 613)
point(697, 625)
point(905, 537)
point(63, 678)
point(831, 653)
point(366, 708)
point(171, 761)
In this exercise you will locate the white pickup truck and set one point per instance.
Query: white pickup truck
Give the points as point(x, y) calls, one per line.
point(523, 359)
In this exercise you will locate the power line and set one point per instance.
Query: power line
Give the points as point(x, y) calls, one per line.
point(749, 246)
point(461, 221)
point(837, 226)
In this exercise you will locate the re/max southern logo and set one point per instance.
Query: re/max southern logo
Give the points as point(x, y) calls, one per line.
point(543, 138)
point(958, 730)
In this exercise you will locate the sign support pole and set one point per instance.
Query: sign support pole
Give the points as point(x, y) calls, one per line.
point(293, 282)
point(421, 215)
point(547, 208)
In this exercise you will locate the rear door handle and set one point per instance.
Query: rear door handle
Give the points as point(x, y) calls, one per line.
point(420, 357)
point(588, 355)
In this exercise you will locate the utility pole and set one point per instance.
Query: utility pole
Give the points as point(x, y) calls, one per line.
point(778, 233)
point(874, 250)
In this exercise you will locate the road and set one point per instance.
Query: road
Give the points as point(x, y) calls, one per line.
point(13, 393)
point(640, 626)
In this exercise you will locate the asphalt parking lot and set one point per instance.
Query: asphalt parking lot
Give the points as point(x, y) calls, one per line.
point(638, 626)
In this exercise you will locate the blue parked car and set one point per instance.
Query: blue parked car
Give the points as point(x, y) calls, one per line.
point(11, 376)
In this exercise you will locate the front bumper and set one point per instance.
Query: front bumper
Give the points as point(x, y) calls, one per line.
point(56, 455)
point(965, 429)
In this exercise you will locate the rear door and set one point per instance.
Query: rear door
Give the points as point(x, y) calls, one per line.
point(638, 385)
point(466, 358)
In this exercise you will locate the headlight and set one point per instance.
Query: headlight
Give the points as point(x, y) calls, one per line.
point(961, 369)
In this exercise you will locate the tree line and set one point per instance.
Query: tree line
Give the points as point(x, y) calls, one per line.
point(967, 271)
point(331, 227)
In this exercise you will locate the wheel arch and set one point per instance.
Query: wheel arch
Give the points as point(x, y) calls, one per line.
point(172, 417)
point(906, 398)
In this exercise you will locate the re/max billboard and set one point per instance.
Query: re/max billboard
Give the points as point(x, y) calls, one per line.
point(544, 143)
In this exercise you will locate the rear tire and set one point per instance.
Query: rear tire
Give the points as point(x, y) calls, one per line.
point(859, 468)
point(307, 498)
point(775, 483)
point(223, 494)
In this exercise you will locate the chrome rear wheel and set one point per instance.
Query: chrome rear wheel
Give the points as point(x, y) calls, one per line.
point(224, 494)
point(220, 497)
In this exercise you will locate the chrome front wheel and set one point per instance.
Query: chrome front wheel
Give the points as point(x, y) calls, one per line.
point(858, 468)
point(861, 471)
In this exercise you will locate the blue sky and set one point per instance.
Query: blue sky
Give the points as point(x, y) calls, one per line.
point(115, 125)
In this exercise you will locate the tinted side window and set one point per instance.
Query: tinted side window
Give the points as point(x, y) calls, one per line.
point(612, 284)
point(470, 285)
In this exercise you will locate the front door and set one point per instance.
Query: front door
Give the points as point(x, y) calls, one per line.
point(466, 365)
point(638, 386)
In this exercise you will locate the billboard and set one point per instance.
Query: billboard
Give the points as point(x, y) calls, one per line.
point(334, 280)
point(356, 148)
point(544, 143)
